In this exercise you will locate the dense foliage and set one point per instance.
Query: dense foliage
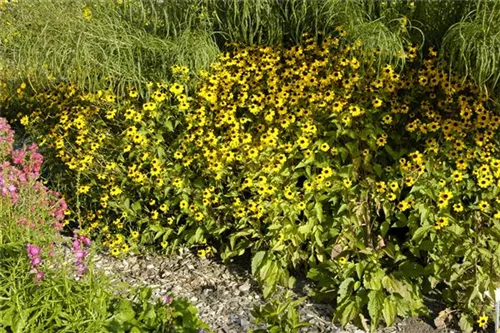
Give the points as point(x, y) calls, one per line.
point(382, 185)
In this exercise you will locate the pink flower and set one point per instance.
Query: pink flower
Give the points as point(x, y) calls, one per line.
point(39, 276)
point(36, 261)
point(167, 299)
point(76, 244)
point(85, 240)
point(33, 250)
point(80, 253)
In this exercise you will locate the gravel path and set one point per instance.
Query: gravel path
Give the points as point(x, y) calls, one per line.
point(223, 294)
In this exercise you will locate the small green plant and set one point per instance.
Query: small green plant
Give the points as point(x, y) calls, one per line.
point(167, 314)
point(279, 314)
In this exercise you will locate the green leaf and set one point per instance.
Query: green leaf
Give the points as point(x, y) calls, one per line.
point(136, 207)
point(421, 232)
point(389, 311)
point(378, 170)
point(393, 285)
point(373, 281)
point(348, 313)
point(391, 152)
point(168, 125)
point(306, 228)
point(342, 208)
point(18, 325)
point(375, 305)
point(125, 312)
point(319, 211)
point(465, 323)
point(344, 289)
point(352, 147)
point(257, 260)
point(411, 269)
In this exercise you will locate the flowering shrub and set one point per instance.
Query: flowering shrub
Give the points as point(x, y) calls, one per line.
point(29, 203)
point(382, 185)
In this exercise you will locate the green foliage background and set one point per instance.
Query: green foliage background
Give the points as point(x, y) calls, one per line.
point(128, 42)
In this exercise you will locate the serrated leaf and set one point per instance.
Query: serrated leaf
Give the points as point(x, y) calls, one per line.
point(389, 311)
point(344, 289)
point(349, 313)
point(375, 305)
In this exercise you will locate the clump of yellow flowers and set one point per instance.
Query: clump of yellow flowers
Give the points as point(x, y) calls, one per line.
point(387, 179)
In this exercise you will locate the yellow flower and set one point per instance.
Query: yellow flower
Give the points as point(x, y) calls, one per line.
point(394, 186)
point(347, 183)
point(326, 172)
point(458, 207)
point(403, 205)
point(457, 176)
point(445, 195)
point(377, 102)
point(164, 207)
point(343, 260)
point(483, 205)
point(87, 13)
point(125, 248)
point(115, 191)
point(83, 189)
point(441, 223)
point(303, 142)
point(381, 141)
point(184, 204)
point(176, 89)
point(380, 187)
point(134, 234)
point(324, 147)
point(25, 120)
point(482, 321)
point(202, 253)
